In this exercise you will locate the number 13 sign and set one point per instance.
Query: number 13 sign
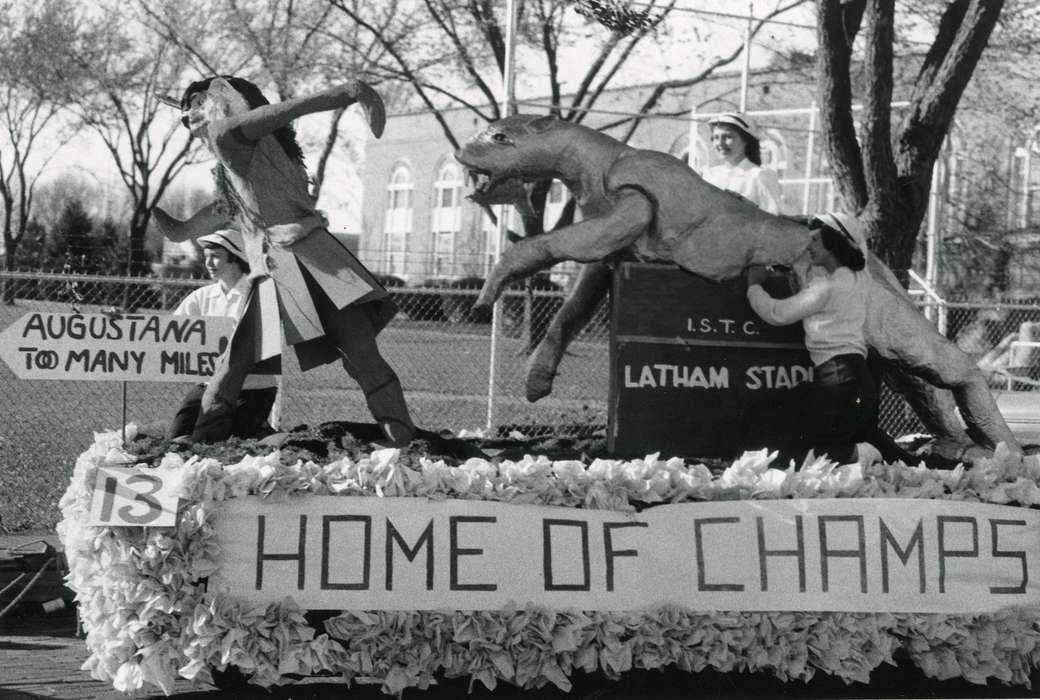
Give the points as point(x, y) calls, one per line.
point(127, 496)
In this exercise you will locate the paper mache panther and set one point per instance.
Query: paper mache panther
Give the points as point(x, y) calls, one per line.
point(650, 206)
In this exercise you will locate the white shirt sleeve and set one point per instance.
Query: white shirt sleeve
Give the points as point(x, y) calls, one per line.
point(783, 312)
point(190, 305)
point(768, 193)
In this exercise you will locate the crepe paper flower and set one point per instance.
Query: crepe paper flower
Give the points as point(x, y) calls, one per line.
point(148, 616)
point(128, 678)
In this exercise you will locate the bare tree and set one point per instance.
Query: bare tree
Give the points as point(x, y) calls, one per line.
point(30, 130)
point(123, 106)
point(111, 77)
point(886, 176)
point(24, 117)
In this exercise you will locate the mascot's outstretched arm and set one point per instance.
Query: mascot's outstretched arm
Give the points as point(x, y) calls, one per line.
point(257, 122)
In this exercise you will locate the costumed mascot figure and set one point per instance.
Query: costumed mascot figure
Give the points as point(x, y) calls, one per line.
point(304, 282)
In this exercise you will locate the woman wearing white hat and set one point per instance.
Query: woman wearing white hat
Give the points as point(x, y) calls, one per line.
point(223, 254)
point(832, 309)
point(736, 141)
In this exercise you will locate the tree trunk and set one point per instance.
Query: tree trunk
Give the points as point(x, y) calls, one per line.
point(10, 265)
point(137, 263)
point(838, 24)
point(889, 189)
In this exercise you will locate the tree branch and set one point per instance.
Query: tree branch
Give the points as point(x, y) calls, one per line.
point(838, 24)
point(406, 69)
point(450, 30)
point(964, 31)
point(878, 163)
point(619, 60)
point(597, 64)
point(167, 32)
point(661, 88)
point(550, 44)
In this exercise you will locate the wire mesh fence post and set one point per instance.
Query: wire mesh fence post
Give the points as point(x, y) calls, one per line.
point(508, 107)
point(492, 366)
point(122, 421)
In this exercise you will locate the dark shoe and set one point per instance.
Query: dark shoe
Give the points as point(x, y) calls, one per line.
point(215, 424)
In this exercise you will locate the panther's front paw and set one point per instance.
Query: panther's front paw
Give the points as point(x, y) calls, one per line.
point(540, 375)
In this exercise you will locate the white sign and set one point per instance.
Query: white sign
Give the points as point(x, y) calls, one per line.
point(128, 347)
point(856, 555)
point(128, 496)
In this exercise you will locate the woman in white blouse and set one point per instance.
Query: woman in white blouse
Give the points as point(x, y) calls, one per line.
point(741, 171)
point(832, 308)
point(836, 414)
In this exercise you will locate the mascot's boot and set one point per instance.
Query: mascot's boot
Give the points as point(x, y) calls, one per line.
point(388, 407)
point(215, 420)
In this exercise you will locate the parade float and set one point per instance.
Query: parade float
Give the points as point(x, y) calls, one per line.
point(404, 567)
point(526, 572)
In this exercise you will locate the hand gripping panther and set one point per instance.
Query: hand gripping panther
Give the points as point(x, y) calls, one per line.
point(651, 206)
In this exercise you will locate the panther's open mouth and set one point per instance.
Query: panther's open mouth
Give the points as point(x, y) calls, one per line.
point(480, 180)
point(490, 189)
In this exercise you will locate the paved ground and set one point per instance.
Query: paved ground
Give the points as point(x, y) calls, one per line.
point(41, 655)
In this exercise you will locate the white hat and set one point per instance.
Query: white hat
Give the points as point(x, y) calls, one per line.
point(227, 238)
point(738, 120)
point(847, 225)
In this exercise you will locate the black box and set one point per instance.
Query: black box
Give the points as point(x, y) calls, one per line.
point(693, 371)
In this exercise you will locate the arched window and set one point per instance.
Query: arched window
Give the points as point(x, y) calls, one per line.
point(1025, 183)
point(447, 216)
point(398, 220)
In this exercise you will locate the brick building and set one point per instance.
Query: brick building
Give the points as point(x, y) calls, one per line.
point(417, 225)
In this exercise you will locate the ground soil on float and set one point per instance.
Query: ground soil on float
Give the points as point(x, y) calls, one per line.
point(333, 440)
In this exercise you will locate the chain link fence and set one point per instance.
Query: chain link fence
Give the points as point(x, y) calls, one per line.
point(441, 351)
point(1001, 335)
point(439, 348)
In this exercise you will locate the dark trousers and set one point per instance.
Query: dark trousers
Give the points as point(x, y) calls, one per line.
point(350, 330)
point(250, 417)
point(838, 409)
point(830, 414)
point(842, 403)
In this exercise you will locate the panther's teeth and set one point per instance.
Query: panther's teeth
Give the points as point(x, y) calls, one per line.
point(480, 181)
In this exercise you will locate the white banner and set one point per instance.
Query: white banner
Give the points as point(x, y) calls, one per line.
point(101, 347)
point(857, 555)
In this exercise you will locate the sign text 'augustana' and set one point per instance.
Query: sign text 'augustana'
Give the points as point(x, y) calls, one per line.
point(129, 347)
